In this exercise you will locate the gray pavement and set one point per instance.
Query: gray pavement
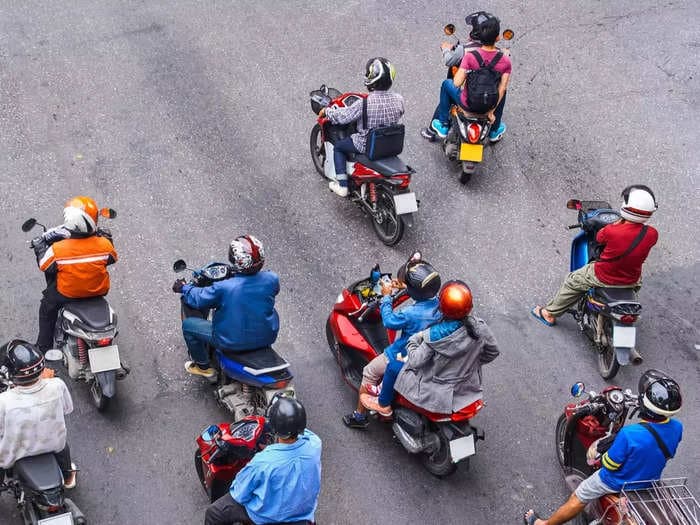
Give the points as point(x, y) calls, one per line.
point(192, 120)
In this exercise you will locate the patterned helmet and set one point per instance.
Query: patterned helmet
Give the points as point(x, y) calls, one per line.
point(379, 74)
point(24, 361)
point(80, 214)
point(246, 254)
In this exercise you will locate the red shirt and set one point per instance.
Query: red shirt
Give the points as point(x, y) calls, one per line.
point(617, 239)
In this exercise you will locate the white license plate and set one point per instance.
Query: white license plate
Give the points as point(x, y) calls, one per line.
point(461, 448)
point(104, 358)
point(61, 519)
point(405, 203)
point(624, 336)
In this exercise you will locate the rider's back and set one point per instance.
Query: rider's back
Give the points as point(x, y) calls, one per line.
point(617, 239)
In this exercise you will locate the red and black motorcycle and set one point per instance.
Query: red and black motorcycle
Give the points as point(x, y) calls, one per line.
point(379, 187)
point(356, 335)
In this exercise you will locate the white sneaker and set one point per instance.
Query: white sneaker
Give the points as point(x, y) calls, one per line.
point(335, 187)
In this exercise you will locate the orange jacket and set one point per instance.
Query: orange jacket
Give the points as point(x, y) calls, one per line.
point(81, 265)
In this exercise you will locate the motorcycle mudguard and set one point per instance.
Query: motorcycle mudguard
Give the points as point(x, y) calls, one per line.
point(329, 164)
point(579, 252)
point(108, 382)
point(407, 219)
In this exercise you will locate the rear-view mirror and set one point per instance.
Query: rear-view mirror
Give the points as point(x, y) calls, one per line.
point(577, 389)
point(108, 213)
point(179, 266)
point(449, 29)
point(28, 225)
point(573, 204)
point(508, 34)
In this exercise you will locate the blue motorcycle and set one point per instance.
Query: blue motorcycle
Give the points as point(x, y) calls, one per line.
point(606, 315)
point(245, 382)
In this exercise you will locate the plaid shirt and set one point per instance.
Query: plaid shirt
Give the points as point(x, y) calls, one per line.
point(383, 109)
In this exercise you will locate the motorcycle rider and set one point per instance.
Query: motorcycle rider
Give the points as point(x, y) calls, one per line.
point(617, 266)
point(422, 283)
point(32, 413)
point(74, 258)
point(451, 92)
point(383, 109)
point(245, 317)
point(282, 482)
point(639, 452)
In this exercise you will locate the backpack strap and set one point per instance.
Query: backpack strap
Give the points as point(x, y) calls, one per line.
point(481, 62)
point(478, 57)
point(496, 59)
point(631, 248)
point(364, 112)
point(659, 441)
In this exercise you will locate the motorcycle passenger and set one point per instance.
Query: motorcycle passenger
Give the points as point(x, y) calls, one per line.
point(32, 413)
point(639, 452)
point(422, 283)
point(488, 29)
point(383, 109)
point(617, 266)
point(282, 482)
point(74, 258)
point(244, 308)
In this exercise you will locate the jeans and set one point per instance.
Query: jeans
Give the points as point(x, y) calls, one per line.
point(386, 396)
point(451, 94)
point(51, 303)
point(340, 151)
point(226, 511)
point(198, 333)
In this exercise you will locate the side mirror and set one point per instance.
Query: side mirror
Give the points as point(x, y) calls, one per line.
point(449, 29)
point(179, 266)
point(417, 256)
point(577, 389)
point(573, 204)
point(28, 225)
point(108, 213)
point(508, 34)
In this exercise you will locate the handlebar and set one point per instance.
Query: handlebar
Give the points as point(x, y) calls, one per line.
point(573, 226)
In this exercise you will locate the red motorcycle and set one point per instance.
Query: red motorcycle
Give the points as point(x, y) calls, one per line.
point(600, 417)
point(355, 336)
point(379, 187)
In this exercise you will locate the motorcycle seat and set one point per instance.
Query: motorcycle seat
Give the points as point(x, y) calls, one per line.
point(616, 295)
point(93, 312)
point(39, 472)
point(388, 166)
point(259, 361)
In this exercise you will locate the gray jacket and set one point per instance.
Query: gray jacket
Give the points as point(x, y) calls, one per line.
point(444, 376)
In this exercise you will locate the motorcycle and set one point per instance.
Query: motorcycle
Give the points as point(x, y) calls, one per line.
point(606, 315)
point(36, 483)
point(469, 132)
point(245, 382)
point(379, 187)
point(356, 335)
point(600, 417)
point(84, 336)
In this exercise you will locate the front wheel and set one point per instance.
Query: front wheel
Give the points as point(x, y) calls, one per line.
point(439, 462)
point(607, 360)
point(318, 152)
point(387, 224)
point(560, 438)
point(99, 399)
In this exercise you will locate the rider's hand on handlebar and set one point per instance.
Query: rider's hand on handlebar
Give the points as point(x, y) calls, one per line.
point(322, 113)
point(177, 285)
point(446, 45)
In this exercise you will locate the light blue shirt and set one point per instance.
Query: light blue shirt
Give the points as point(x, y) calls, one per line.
point(282, 482)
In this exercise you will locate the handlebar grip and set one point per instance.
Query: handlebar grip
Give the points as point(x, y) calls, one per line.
point(573, 226)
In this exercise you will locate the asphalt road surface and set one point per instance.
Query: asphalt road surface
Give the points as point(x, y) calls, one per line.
point(192, 120)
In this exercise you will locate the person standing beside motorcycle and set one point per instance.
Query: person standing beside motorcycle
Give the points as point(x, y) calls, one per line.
point(626, 245)
point(282, 482)
point(74, 258)
point(488, 30)
point(32, 413)
point(244, 308)
point(422, 283)
point(383, 109)
point(639, 452)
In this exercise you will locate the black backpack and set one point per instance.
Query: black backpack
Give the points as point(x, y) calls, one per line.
point(482, 84)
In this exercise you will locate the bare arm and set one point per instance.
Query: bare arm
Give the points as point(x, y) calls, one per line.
point(460, 77)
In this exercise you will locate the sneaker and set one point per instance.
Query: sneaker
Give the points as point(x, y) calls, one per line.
point(72, 479)
point(372, 403)
point(339, 190)
point(497, 134)
point(356, 420)
point(439, 128)
point(428, 134)
point(197, 370)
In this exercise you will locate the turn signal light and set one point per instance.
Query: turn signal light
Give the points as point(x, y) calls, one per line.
point(105, 341)
point(473, 132)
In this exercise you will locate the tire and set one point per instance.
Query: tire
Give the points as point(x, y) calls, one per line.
point(439, 463)
point(330, 337)
point(607, 360)
point(559, 440)
point(100, 400)
point(387, 224)
point(465, 177)
point(29, 514)
point(318, 152)
point(199, 467)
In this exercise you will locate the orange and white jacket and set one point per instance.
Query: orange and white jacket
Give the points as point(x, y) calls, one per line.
point(80, 265)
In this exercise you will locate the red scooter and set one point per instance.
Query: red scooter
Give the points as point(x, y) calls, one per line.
point(355, 336)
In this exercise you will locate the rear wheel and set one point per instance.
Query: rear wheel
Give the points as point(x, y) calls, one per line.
point(387, 224)
point(607, 360)
point(439, 462)
point(29, 515)
point(465, 177)
point(318, 152)
point(100, 400)
point(560, 437)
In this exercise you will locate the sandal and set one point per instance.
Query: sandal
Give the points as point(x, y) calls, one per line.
point(532, 518)
point(536, 312)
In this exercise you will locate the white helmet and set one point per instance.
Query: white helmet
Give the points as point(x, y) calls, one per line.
point(80, 215)
point(638, 203)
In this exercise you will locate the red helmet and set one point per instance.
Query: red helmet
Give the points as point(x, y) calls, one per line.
point(246, 254)
point(455, 300)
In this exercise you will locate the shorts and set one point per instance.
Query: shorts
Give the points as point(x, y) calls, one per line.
point(374, 371)
point(592, 488)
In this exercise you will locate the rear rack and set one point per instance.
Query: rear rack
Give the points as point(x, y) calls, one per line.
point(661, 502)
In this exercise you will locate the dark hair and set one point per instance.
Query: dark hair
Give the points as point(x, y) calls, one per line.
point(489, 30)
point(470, 325)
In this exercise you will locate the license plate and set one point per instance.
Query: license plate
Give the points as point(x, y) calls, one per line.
point(461, 448)
point(405, 203)
point(61, 519)
point(471, 152)
point(624, 336)
point(104, 358)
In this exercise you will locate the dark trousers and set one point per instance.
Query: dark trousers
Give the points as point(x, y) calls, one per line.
point(51, 303)
point(340, 151)
point(226, 511)
point(63, 459)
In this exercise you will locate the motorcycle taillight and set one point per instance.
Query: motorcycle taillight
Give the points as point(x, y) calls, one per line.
point(405, 179)
point(105, 341)
point(628, 319)
point(473, 132)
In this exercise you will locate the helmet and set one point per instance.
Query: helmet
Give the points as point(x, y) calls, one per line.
point(286, 415)
point(379, 74)
point(80, 214)
point(659, 395)
point(638, 203)
point(24, 361)
point(246, 254)
point(422, 281)
point(476, 20)
point(455, 300)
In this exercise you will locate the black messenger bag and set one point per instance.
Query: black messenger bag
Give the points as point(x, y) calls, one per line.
point(383, 142)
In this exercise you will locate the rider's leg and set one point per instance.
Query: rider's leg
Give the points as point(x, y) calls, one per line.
point(496, 129)
point(371, 375)
point(51, 303)
point(386, 396)
point(225, 511)
point(197, 333)
point(449, 95)
point(574, 286)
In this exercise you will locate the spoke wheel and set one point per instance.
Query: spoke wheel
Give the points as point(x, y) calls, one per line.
point(607, 360)
point(560, 435)
point(318, 151)
point(387, 224)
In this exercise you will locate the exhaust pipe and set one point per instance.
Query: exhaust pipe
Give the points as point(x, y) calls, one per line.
point(416, 445)
point(635, 357)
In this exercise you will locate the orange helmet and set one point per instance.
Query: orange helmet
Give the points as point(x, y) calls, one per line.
point(80, 214)
point(455, 300)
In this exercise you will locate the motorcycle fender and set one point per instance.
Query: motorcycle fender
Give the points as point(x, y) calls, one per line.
point(623, 355)
point(407, 219)
point(108, 382)
point(329, 165)
point(579, 251)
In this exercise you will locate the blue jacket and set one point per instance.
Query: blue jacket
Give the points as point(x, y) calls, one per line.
point(410, 320)
point(245, 316)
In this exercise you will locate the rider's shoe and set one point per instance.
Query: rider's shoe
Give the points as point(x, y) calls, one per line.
point(71, 480)
point(428, 134)
point(336, 188)
point(372, 403)
point(439, 128)
point(356, 420)
point(197, 370)
point(497, 134)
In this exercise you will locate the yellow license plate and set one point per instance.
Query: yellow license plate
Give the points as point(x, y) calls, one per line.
point(471, 152)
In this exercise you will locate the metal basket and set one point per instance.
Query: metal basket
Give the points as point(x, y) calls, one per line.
point(661, 502)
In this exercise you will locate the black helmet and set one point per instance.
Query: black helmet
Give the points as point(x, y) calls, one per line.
point(286, 415)
point(659, 396)
point(379, 74)
point(422, 281)
point(24, 361)
point(485, 27)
